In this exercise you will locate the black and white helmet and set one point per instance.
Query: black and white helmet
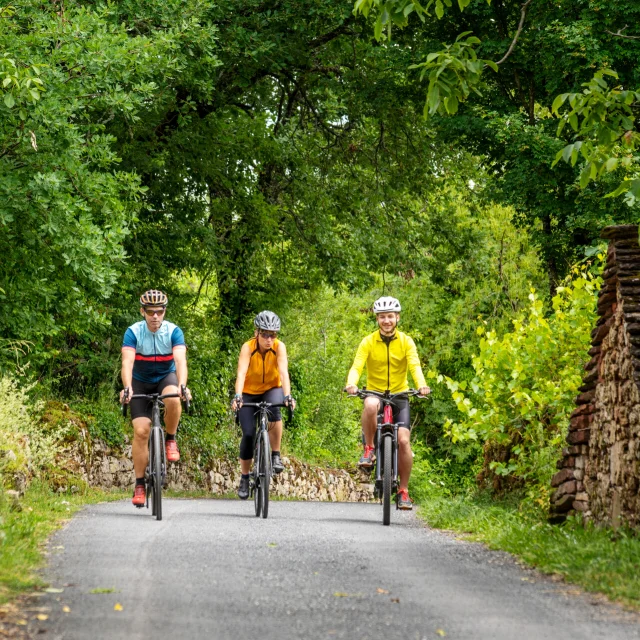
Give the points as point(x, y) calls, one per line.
point(385, 304)
point(267, 321)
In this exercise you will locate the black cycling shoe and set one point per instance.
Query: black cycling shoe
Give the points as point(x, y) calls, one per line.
point(276, 463)
point(243, 489)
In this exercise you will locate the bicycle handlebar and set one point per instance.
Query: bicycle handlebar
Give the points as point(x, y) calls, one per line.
point(364, 393)
point(155, 396)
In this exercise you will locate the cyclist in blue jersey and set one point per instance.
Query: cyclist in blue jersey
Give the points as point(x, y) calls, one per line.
point(154, 360)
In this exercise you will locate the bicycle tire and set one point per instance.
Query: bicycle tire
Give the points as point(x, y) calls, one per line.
point(151, 492)
point(157, 475)
point(266, 467)
point(387, 476)
point(257, 494)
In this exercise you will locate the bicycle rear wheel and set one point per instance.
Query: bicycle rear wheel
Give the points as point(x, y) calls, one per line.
point(387, 477)
point(257, 493)
point(157, 475)
point(266, 469)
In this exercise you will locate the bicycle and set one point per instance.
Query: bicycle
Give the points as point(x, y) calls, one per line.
point(156, 471)
point(386, 444)
point(262, 472)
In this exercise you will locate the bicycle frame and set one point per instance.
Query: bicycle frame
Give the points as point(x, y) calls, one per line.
point(154, 477)
point(261, 476)
point(386, 479)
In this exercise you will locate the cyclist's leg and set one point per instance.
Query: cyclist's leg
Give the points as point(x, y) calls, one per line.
point(370, 419)
point(141, 417)
point(172, 406)
point(402, 416)
point(247, 419)
point(275, 396)
point(140, 446)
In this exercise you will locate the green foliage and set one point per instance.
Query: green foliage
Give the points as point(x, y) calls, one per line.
point(453, 74)
point(518, 404)
point(322, 333)
point(604, 118)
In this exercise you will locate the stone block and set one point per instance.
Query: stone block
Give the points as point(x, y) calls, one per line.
point(585, 398)
point(620, 231)
point(562, 476)
point(566, 488)
point(579, 437)
point(580, 505)
point(563, 504)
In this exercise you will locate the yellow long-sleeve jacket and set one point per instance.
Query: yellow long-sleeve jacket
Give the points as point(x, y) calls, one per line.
point(387, 363)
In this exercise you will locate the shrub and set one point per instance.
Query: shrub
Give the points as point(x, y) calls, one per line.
point(518, 404)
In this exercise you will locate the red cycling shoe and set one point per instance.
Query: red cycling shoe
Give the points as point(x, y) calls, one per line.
point(173, 455)
point(368, 457)
point(139, 496)
point(404, 501)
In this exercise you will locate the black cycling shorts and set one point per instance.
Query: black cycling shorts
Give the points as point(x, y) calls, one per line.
point(401, 413)
point(141, 408)
point(247, 417)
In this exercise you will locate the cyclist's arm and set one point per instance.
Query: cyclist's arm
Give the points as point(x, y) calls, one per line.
point(358, 364)
point(126, 372)
point(283, 369)
point(243, 367)
point(180, 359)
point(413, 363)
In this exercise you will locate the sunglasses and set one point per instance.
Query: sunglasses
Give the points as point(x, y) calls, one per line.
point(268, 334)
point(155, 312)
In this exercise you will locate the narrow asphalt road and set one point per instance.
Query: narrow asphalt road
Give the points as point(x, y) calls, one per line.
point(210, 569)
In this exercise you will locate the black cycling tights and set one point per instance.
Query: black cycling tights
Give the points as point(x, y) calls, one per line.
point(247, 418)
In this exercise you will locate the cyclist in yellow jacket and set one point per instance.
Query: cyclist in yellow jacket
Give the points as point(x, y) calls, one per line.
point(387, 354)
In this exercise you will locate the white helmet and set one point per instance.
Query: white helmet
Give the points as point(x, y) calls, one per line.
point(386, 303)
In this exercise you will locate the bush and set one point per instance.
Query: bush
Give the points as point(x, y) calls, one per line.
point(27, 448)
point(518, 404)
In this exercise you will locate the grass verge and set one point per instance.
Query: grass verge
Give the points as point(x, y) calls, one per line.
point(24, 530)
point(598, 559)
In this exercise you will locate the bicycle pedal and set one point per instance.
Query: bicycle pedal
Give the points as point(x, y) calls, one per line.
point(138, 506)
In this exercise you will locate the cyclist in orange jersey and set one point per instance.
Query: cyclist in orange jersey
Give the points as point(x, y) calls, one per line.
point(263, 376)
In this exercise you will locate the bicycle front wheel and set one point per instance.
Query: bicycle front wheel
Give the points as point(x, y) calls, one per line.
point(265, 479)
point(157, 475)
point(257, 491)
point(387, 478)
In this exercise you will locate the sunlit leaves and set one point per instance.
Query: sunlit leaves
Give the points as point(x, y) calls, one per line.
point(453, 74)
point(526, 381)
point(604, 122)
point(395, 13)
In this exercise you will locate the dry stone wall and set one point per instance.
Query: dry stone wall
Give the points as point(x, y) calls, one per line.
point(599, 473)
point(108, 468)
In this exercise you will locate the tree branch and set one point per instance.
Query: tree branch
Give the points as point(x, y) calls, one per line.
point(523, 13)
point(619, 33)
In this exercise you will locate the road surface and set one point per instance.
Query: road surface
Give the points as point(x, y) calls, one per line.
point(212, 570)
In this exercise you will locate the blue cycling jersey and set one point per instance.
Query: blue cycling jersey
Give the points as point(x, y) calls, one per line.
point(154, 351)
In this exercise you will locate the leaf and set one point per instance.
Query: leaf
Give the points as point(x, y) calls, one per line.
point(441, 633)
point(66, 609)
point(9, 100)
point(379, 590)
point(558, 102)
point(272, 544)
point(342, 594)
point(42, 616)
point(492, 65)
point(103, 590)
point(439, 9)
point(53, 590)
point(117, 607)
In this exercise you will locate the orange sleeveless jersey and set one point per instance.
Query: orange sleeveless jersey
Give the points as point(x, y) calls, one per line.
point(263, 373)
